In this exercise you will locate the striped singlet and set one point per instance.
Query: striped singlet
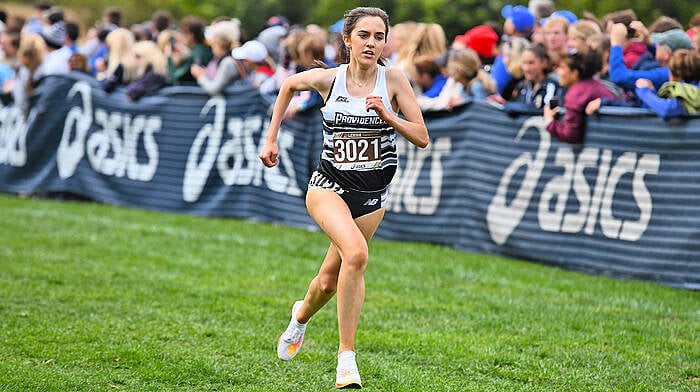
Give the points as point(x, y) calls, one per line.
point(359, 148)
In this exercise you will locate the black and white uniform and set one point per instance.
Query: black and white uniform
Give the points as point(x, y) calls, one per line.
point(359, 157)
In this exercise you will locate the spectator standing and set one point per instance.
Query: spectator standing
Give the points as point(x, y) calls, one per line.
point(161, 21)
point(398, 36)
point(512, 61)
point(117, 73)
point(428, 76)
point(579, 33)
point(626, 78)
point(694, 30)
point(192, 50)
point(222, 70)
point(600, 43)
point(31, 54)
point(428, 39)
point(519, 24)
point(149, 69)
point(482, 39)
point(681, 94)
point(56, 60)
point(537, 88)
point(35, 22)
point(576, 74)
point(466, 80)
point(276, 29)
point(556, 35)
point(256, 62)
point(9, 63)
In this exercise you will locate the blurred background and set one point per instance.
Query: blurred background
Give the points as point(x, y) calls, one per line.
point(456, 16)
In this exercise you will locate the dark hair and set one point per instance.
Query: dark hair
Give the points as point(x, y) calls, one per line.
point(72, 31)
point(694, 20)
point(43, 5)
point(663, 24)
point(426, 64)
point(540, 51)
point(353, 16)
point(114, 15)
point(685, 64)
point(625, 17)
point(161, 20)
point(194, 25)
point(587, 63)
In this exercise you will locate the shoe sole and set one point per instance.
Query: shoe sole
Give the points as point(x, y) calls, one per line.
point(352, 385)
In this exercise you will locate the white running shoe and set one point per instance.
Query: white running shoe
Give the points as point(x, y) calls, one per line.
point(290, 342)
point(347, 375)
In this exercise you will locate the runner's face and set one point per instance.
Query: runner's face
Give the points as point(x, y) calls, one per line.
point(367, 39)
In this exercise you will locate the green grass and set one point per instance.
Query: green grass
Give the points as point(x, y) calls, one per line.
point(102, 298)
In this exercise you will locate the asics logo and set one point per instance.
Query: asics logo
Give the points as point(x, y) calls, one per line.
point(342, 99)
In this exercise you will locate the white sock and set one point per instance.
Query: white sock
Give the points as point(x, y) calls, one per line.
point(346, 359)
point(298, 325)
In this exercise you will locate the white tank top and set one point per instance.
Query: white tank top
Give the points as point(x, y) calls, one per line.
point(359, 148)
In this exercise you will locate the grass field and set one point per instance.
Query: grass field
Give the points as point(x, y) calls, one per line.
point(102, 298)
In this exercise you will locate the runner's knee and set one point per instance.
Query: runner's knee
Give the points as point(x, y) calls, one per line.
point(356, 259)
point(328, 284)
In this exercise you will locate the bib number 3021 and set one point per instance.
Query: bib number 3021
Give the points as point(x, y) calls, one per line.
point(357, 150)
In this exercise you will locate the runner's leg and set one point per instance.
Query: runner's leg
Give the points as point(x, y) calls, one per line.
point(350, 239)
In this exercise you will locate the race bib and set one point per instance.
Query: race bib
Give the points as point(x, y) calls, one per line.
point(357, 150)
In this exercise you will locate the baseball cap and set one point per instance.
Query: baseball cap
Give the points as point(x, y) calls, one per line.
point(480, 38)
point(568, 15)
point(55, 34)
point(522, 18)
point(674, 39)
point(337, 27)
point(253, 50)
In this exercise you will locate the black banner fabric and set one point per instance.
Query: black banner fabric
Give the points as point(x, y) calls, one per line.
point(624, 203)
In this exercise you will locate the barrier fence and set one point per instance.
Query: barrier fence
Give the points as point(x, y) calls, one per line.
point(624, 203)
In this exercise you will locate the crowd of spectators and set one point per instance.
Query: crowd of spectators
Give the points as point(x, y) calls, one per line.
point(533, 58)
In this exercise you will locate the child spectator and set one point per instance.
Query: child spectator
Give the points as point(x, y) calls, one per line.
point(681, 94)
point(576, 73)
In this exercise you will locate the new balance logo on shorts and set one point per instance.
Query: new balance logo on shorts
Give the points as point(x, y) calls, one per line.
point(342, 99)
point(371, 202)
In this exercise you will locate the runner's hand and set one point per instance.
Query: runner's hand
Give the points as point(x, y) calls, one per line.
point(269, 153)
point(374, 102)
